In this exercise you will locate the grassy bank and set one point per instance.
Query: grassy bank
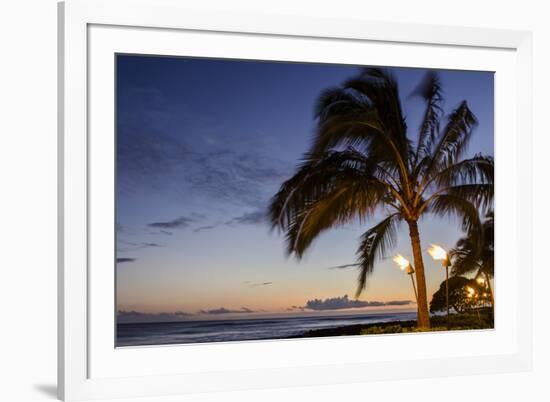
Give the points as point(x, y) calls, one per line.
point(462, 321)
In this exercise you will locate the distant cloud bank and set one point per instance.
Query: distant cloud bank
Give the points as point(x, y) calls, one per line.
point(334, 303)
point(125, 316)
point(344, 302)
point(137, 316)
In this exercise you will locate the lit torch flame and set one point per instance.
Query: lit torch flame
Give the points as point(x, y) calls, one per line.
point(401, 261)
point(471, 292)
point(437, 253)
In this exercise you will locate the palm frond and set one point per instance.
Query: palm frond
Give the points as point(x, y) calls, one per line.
point(454, 205)
point(361, 130)
point(478, 169)
point(315, 177)
point(374, 244)
point(453, 139)
point(347, 201)
point(464, 257)
point(326, 192)
point(431, 92)
point(475, 251)
point(480, 195)
point(381, 89)
point(339, 101)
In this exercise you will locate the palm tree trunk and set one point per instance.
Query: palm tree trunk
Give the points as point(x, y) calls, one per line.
point(423, 314)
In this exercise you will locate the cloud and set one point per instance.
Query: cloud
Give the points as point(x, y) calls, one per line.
point(253, 285)
point(335, 303)
point(160, 159)
point(249, 218)
point(206, 227)
point(339, 303)
point(223, 310)
point(132, 246)
point(133, 316)
point(256, 284)
point(245, 176)
point(399, 303)
point(146, 146)
point(121, 260)
point(177, 223)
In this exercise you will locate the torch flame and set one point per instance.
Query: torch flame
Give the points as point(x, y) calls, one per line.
point(471, 291)
point(401, 261)
point(437, 252)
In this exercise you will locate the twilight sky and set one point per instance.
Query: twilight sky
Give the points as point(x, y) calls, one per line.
point(202, 145)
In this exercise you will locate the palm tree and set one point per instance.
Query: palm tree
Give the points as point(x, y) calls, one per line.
point(361, 162)
point(476, 253)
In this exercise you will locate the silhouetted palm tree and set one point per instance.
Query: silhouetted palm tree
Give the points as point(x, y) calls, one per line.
point(361, 161)
point(476, 253)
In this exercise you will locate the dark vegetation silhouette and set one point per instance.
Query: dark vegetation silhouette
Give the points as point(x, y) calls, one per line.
point(459, 297)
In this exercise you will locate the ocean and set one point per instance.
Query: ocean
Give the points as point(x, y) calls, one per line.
point(165, 333)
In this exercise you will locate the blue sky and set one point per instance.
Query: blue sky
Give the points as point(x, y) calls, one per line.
point(202, 145)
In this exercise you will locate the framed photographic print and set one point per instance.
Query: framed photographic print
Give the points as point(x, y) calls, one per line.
point(239, 193)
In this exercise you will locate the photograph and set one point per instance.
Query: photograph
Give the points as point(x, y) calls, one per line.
point(266, 200)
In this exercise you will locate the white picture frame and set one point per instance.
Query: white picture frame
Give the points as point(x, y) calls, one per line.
point(90, 32)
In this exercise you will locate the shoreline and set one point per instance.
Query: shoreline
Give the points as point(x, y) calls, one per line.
point(462, 321)
point(351, 329)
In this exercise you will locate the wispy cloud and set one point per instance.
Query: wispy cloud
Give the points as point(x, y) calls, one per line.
point(255, 285)
point(125, 246)
point(152, 155)
point(124, 316)
point(223, 310)
point(256, 217)
point(177, 223)
point(249, 218)
point(205, 227)
point(344, 302)
point(147, 147)
point(243, 176)
point(121, 260)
